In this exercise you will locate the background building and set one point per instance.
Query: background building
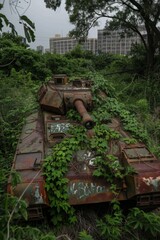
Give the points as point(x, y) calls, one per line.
point(47, 50)
point(40, 49)
point(63, 45)
point(112, 42)
point(108, 41)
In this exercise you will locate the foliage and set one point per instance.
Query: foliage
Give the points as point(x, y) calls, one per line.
point(18, 232)
point(11, 207)
point(139, 222)
point(108, 106)
point(11, 40)
point(101, 88)
point(138, 59)
point(28, 25)
point(65, 64)
point(128, 16)
point(4, 20)
point(107, 165)
point(120, 64)
point(29, 28)
point(14, 54)
point(102, 60)
point(13, 113)
point(111, 225)
point(84, 236)
point(76, 52)
point(55, 168)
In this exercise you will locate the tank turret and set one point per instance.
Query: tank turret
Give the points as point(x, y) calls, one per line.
point(59, 96)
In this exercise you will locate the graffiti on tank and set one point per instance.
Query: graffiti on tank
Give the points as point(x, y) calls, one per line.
point(86, 156)
point(58, 127)
point(84, 189)
point(36, 194)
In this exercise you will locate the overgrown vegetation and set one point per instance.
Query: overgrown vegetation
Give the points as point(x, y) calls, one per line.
point(130, 17)
point(128, 95)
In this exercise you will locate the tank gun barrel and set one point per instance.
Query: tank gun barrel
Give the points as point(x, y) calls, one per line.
point(87, 120)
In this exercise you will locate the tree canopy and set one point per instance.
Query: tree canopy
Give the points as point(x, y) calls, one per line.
point(127, 15)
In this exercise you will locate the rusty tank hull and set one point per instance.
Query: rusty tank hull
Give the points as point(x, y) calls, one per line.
point(47, 127)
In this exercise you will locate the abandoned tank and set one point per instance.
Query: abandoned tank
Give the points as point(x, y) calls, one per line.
point(49, 126)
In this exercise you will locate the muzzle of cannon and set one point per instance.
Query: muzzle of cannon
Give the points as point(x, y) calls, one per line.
point(87, 120)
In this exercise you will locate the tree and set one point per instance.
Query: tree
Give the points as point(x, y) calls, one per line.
point(127, 15)
point(28, 25)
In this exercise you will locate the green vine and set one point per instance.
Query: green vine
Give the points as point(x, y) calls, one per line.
point(108, 166)
point(110, 107)
point(55, 168)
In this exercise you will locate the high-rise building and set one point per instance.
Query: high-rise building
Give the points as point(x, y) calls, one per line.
point(63, 45)
point(40, 49)
point(110, 41)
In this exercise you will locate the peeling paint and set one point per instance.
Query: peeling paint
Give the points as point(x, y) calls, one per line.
point(37, 196)
point(155, 183)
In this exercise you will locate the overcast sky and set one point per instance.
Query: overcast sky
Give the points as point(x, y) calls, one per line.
point(47, 21)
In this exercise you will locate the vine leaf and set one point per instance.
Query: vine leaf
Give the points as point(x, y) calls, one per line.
point(28, 21)
point(4, 20)
point(29, 28)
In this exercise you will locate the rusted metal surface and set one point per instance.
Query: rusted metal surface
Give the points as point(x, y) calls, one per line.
point(145, 183)
point(45, 129)
point(60, 79)
point(28, 163)
point(31, 139)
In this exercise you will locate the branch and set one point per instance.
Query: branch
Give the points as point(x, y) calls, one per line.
point(14, 209)
point(146, 17)
point(130, 26)
point(63, 235)
point(7, 64)
point(135, 3)
point(129, 6)
point(139, 33)
point(157, 15)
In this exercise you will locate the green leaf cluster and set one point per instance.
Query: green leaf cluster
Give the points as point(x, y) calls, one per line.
point(110, 225)
point(84, 236)
point(55, 168)
point(139, 222)
point(113, 108)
